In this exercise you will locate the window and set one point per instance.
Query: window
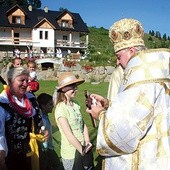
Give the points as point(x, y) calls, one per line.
point(46, 35)
point(65, 37)
point(65, 24)
point(40, 35)
point(16, 19)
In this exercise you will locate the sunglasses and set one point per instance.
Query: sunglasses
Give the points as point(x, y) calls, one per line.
point(69, 87)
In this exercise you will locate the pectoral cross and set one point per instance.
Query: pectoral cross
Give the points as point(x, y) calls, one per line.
point(126, 76)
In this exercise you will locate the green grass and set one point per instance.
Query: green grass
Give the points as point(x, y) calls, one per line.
point(49, 86)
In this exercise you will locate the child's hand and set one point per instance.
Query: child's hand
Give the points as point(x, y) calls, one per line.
point(29, 89)
point(45, 134)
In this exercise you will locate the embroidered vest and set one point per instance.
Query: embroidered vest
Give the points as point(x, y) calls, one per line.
point(18, 127)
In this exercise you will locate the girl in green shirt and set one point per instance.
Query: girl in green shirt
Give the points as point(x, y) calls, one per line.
point(74, 132)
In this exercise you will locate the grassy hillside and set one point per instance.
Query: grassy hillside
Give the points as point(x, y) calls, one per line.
point(101, 49)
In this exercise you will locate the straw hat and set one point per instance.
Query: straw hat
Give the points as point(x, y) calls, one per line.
point(68, 78)
point(126, 33)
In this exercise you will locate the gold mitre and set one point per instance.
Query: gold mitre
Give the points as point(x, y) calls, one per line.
point(126, 33)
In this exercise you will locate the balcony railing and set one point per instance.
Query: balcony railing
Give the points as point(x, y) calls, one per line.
point(15, 40)
point(26, 41)
point(66, 43)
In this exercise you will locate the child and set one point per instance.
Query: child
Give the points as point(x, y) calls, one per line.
point(74, 132)
point(33, 84)
point(48, 159)
point(16, 62)
point(31, 65)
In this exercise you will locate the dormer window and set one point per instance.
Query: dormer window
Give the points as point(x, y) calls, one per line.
point(65, 24)
point(65, 19)
point(16, 19)
point(16, 15)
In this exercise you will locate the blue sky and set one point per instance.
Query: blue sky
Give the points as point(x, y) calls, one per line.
point(153, 14)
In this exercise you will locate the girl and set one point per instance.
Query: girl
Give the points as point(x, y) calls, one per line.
point(74, 132)
point(33, 84)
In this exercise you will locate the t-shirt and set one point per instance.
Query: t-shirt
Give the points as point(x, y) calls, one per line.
point(74, 118)
point(33, 75)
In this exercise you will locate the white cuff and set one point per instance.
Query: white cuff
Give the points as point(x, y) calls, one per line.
point(3, 145)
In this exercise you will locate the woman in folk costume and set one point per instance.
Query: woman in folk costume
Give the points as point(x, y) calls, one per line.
point(20, 115)
point(134, 131)
point(74, 132)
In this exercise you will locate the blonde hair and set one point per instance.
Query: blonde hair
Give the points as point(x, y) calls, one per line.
point(58, 97)
point(31, 63)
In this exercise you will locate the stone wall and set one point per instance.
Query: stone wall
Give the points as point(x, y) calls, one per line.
point(96, 74)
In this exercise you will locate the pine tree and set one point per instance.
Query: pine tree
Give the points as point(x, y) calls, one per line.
point(22, 3)
point(164, 37)
point(35, 3)
point(152, 33)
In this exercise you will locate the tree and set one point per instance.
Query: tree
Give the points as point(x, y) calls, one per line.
point(164, 37)
point(152, 33)
point(35, 3)
point(150, 38)
point(158, 35)
point(22, 3)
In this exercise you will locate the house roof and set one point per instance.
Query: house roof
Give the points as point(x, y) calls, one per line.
point(63, 13)
point(32, 18)
point(41, 21)
point(14, 8)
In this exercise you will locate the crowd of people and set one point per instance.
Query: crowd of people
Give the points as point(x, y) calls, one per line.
point(133, 128)
point(30, 53)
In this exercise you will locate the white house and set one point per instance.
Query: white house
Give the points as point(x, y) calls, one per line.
point(42, 29)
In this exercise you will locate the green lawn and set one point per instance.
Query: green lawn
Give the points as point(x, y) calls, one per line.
point(49, 86)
